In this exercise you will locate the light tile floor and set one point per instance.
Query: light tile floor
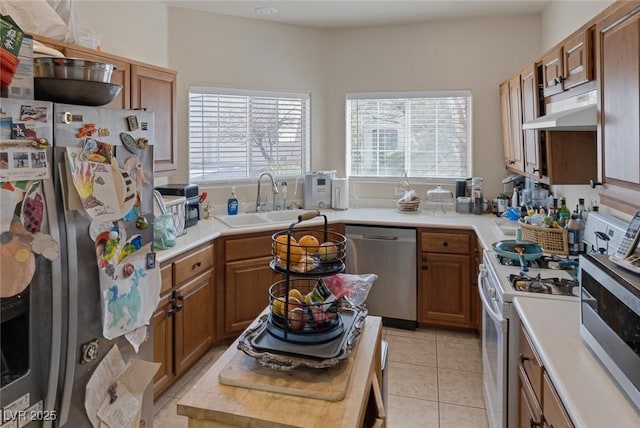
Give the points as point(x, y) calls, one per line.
point(434, 380)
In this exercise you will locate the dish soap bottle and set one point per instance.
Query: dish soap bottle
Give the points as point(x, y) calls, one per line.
point(283, 188)
point(232, 203)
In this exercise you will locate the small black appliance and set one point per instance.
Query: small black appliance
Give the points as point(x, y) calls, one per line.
point(189, 191)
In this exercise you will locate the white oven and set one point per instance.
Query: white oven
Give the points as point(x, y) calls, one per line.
point(495, 328)
point(501, 326)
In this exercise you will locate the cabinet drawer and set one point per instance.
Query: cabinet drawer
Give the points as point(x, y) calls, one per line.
point(247, 248)
point(531, 365)
point(193, 263)
point(530, 409)
point(445, 242)
point(166, 273)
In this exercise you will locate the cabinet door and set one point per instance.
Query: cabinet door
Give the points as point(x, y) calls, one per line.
point(193, 321)
point(530, 111)
point(444, 292)
point(154, 89)
point(515, 100)
point(505, 109)
point(578, 59)
point(246, 292)
point(163, 345)
point(552, 72)
point(120, 76)
point(620, 111)
point(554, 413)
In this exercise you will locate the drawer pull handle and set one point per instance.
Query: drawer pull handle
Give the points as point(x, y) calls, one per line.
point(523, 358)
point(445, 244)
point(197, 265)
point(178, 308)
point(181, 298)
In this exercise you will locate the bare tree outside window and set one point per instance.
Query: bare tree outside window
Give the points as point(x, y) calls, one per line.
point(240, 136)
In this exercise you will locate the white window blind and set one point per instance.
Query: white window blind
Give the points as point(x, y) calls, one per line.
point(239, 134)
point(426, 134)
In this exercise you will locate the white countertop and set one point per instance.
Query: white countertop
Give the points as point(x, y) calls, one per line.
point(484, 226)
point(589, 393)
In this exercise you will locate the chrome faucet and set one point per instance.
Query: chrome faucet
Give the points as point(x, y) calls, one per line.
point(274, 189)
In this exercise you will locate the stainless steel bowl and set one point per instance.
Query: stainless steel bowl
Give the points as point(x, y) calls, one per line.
point(71, 68)
point(70, 91)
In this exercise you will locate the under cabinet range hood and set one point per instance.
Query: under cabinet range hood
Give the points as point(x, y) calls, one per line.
point(577, 113)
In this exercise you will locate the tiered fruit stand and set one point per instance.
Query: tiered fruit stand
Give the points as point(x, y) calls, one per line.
point(307, 325)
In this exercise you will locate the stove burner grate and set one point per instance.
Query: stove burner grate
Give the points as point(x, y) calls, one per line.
point(560, 286)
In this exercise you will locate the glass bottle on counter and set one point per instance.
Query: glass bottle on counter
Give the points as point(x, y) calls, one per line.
point(563, 208)
point(573, 236)
point(477, 195)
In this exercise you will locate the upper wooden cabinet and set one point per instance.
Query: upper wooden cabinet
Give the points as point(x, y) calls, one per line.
point(144, 86)
point(531, 110)
point(618, 47)
point(154, 89)
point(511, 105)
point(569, 64)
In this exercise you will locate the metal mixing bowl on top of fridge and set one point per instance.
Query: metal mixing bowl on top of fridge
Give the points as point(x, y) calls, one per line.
point(74, 69)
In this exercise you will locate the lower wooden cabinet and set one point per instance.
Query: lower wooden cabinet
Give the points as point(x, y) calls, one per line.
point(183, 324)
point(193, 321)
point(246, 291)
point(445, 283)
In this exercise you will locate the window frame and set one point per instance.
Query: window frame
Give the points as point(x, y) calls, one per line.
point(408, 94)
point(218, 90)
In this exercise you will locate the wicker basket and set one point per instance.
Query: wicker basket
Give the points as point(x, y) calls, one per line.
point(552, 240)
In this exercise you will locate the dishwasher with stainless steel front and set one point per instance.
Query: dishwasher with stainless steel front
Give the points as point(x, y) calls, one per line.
point(390, 253)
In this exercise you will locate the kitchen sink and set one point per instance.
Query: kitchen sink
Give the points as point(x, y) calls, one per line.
point(243, 220)
point(287, 216)
point(258, 219)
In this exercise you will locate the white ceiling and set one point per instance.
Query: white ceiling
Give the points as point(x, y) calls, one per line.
point(359, 13)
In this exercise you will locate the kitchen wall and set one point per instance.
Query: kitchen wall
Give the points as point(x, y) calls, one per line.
point(226, 51)
point(475, 54)
point(561, 18)
point(132, 29)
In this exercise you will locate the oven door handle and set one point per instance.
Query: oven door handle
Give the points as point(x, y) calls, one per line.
point(502, 322)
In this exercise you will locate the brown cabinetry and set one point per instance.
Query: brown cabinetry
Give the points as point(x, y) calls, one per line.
point(445, 284)
point(246, 278)
point(569, 64)
point(553, 157)
point(184, 321)
point(531, 110)
point(511, 106)
point(618, 44)
point(144, 86)
point(540, 404)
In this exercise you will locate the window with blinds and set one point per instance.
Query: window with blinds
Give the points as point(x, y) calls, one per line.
point(426, 134)
point(235, 134)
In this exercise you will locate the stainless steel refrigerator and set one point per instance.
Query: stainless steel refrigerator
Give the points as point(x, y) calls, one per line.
point(52, 331)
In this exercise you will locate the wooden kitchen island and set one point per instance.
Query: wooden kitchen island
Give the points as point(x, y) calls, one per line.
point(210, 403)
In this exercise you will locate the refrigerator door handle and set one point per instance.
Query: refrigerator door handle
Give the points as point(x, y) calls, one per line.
point(56, 303)
point(72, 330)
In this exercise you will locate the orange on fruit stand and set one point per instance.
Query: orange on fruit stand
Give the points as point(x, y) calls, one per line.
point(309, 243)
